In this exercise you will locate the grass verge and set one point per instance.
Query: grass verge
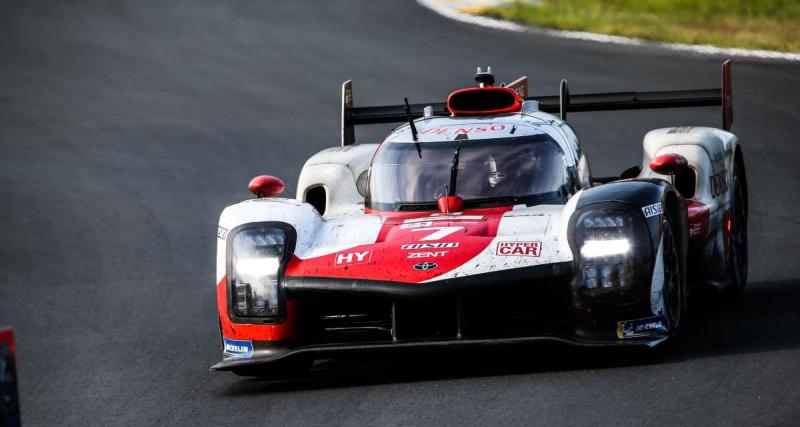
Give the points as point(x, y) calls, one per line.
point(750, 24)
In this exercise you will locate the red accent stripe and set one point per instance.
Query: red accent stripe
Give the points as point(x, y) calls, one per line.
point(388, 259)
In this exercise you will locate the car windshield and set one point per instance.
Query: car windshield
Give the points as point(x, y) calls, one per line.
point(491, 172)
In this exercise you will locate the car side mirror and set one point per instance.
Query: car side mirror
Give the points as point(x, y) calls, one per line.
point(362, 182)
point(669, 164)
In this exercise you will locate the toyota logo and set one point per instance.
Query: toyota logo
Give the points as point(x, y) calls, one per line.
point(425, 265)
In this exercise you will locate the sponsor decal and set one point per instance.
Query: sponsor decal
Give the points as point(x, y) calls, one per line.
point(695, 229)
point(435, 254)
point(463, 131)
point(425, 265)
point(437, 233)
point(519, 248)
point(452, 216)
point(438, 245)
point(238, 349)
point(354, 257)
point(718, 183)
point(641, 327)
point(652, 210)
point(222, 233)
point(682, 129)
point(408, 225)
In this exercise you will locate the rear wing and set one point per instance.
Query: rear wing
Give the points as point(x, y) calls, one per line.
point(561, 104)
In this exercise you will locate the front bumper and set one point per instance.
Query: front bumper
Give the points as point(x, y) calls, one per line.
point(338, 317)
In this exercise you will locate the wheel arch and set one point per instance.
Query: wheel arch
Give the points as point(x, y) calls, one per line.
point(642, 194)
point(658, 205)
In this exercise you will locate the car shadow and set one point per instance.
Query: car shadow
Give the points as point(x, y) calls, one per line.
point(766, 318)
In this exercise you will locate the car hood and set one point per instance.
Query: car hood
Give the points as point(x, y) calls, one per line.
point(428, 247)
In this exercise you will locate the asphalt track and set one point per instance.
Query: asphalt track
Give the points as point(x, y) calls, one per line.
point(126, 127)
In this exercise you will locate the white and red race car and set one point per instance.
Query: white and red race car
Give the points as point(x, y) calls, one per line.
point(478, 222)
point(9, 393)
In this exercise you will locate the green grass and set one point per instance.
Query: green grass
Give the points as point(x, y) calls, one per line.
point(751, 24)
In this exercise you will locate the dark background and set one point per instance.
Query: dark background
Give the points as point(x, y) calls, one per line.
point(125, 128)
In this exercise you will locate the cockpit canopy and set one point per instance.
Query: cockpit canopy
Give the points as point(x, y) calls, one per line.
point(490, 172)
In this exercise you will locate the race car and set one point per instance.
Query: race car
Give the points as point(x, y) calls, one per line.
point(478, 222)
point(9, 395)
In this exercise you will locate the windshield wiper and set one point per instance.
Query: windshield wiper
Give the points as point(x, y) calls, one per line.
point(413, 128)
point(451, 189)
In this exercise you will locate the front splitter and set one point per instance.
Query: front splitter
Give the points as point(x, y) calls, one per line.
point(318, 351)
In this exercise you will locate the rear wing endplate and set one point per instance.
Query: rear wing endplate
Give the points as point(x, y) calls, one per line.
point(561, 104)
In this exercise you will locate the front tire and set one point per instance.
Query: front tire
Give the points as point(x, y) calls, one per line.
point(674, 289)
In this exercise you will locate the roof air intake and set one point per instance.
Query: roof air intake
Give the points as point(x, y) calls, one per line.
point(482, 101)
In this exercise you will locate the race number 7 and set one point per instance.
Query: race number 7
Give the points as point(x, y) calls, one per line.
point(438, 232)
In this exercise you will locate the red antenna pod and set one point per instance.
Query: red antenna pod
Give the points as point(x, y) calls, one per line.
point(266, 186)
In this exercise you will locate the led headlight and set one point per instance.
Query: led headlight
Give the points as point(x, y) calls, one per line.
point(604, 239)
point(604, 248)
point(256, 255)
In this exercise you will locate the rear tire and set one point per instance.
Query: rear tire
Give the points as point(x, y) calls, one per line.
point(737, 254)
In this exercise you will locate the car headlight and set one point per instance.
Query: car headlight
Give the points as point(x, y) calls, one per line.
point(255, 263)
point(605, 241)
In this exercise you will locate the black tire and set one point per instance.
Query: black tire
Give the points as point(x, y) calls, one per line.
point(294, 368)
point(674, 288)
point(737, 253)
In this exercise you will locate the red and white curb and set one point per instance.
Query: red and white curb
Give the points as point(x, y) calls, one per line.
point(450, 9)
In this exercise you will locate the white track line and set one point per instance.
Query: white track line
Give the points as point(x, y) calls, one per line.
point(483, 21)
